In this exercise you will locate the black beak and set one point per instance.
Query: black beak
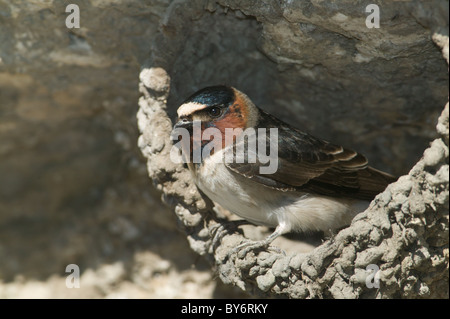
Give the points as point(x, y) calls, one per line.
point(183, 123)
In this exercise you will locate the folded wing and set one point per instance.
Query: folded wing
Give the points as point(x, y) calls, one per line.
point(309, 164)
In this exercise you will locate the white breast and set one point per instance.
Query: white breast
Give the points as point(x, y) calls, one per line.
point(265, 206)
point(225, 188)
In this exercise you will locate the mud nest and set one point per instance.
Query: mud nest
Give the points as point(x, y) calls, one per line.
point(320, 68)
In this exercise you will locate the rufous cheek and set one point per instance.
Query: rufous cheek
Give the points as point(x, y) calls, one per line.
point(235, 118)
point(240, 110)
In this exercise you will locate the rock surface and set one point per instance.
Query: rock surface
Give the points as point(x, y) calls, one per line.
point(73, 184)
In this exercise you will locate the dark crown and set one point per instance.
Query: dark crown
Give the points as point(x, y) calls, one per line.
point(219, 95)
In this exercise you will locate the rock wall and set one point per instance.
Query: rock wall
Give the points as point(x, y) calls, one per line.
point(73, 184)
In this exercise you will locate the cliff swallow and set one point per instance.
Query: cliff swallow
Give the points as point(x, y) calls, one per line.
point(316, 186)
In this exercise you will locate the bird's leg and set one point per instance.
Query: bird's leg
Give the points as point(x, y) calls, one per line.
point(246, 247)
point(218, 231)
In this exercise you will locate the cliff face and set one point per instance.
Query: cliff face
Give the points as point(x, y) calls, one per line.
point(73, 185)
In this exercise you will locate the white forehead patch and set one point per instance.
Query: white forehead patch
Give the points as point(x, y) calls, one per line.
point(189, 108)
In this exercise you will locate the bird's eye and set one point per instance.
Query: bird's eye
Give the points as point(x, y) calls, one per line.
point(215, 111)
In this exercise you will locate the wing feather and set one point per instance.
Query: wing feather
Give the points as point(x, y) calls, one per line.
point(310, 164)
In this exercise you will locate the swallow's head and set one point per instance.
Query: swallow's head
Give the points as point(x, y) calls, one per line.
point(218, 107)
point(213, 110)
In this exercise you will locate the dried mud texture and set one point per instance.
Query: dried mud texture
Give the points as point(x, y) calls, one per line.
point(404, 232)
